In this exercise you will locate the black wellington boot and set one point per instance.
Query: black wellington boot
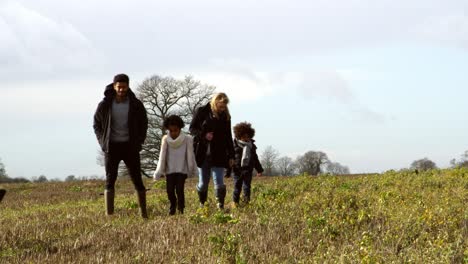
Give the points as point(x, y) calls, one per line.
point(220, 197)
point(142, 203)
point(202, 196)
point(109, 196)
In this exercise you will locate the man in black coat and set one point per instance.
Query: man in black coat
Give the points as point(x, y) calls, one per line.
point(120, 125)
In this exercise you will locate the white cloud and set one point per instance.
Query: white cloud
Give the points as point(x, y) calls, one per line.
point(446, 30)
point(33, 45)
point(51, 99)
point(243, 84)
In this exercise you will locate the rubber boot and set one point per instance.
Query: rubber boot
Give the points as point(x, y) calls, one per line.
point(142, 203)
point(220, 196)
point(202, 196)
point(109, 201)
point(172, 209)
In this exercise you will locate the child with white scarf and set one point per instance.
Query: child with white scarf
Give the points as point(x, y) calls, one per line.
point(176, 162)
point(246, 160)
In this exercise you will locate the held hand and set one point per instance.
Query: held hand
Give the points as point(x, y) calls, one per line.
point(259, 175)
point(209, 136)
point(231, 163)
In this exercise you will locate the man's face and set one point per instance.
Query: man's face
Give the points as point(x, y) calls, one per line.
point(121, 88)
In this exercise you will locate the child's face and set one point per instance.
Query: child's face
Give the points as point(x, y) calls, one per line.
point(245, 138)
point(174, 131)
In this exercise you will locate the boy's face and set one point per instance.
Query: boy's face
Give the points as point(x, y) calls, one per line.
point(174, 131)
point(245, 138)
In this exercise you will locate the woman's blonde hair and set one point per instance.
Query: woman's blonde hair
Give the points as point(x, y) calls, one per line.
point(220, 98)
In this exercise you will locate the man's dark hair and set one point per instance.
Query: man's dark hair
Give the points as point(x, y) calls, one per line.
point(242, 129)
point(121, 78)
point(173, 120)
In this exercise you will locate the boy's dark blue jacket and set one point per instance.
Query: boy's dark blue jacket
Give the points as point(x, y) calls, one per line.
point(254, 161)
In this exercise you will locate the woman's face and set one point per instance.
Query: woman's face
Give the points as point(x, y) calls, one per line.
point(174, 131)
point(221, 106)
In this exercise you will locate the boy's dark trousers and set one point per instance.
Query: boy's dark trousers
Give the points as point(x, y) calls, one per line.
point(242, 181)
point(175, 191)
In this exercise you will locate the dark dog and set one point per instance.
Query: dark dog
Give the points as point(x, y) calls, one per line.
point(2, 193)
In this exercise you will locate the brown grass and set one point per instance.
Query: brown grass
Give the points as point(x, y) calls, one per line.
point(391, 218)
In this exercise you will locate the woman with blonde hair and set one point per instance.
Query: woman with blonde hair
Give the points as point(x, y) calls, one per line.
point(213, 146)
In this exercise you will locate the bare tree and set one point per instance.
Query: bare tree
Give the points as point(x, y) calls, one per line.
point(268, 158)
point(162, 97)
point(165, 96)
point(286, 166)
point(463, 162)
point(3, 174)
point(336, 168)
point(40, 179)
point(312, 162)
point(71, 178)
point(423, 165)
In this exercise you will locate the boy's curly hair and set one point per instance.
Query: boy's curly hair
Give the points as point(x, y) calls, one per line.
point(242, 129)
point(173, 120)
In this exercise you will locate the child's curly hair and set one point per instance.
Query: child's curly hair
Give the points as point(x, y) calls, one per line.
point(173, 120)
point(242, 129)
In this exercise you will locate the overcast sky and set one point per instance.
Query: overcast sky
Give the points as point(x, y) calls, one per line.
point(375, 84)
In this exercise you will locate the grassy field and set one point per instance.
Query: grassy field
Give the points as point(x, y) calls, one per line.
point(389, 218)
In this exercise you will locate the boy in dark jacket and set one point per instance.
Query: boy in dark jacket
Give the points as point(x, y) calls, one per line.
point(246, 160)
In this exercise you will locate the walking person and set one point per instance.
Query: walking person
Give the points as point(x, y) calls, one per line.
point(2, 194)
point(246, 160)
point(213, 145)
point(120, 125)
point(176, 162)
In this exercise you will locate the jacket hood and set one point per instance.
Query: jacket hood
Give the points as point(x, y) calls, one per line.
point(109, 92)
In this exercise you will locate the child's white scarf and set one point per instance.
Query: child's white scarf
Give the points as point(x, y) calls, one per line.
point(176, 143)
point(246, 152)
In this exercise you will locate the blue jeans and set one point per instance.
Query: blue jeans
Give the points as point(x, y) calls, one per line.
point(206, 171)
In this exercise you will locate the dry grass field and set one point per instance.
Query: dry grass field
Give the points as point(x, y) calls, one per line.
point(388, 218)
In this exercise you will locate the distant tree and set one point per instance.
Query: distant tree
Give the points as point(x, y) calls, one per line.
point(18, 180)
point(3, 174)
point(54, 180)
point(269, 158)
point(463, 162)
point(312, 162)
point(336, 168)
point(70, 178)
point(423, 165)
point(40, 179)
point(286, 166)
